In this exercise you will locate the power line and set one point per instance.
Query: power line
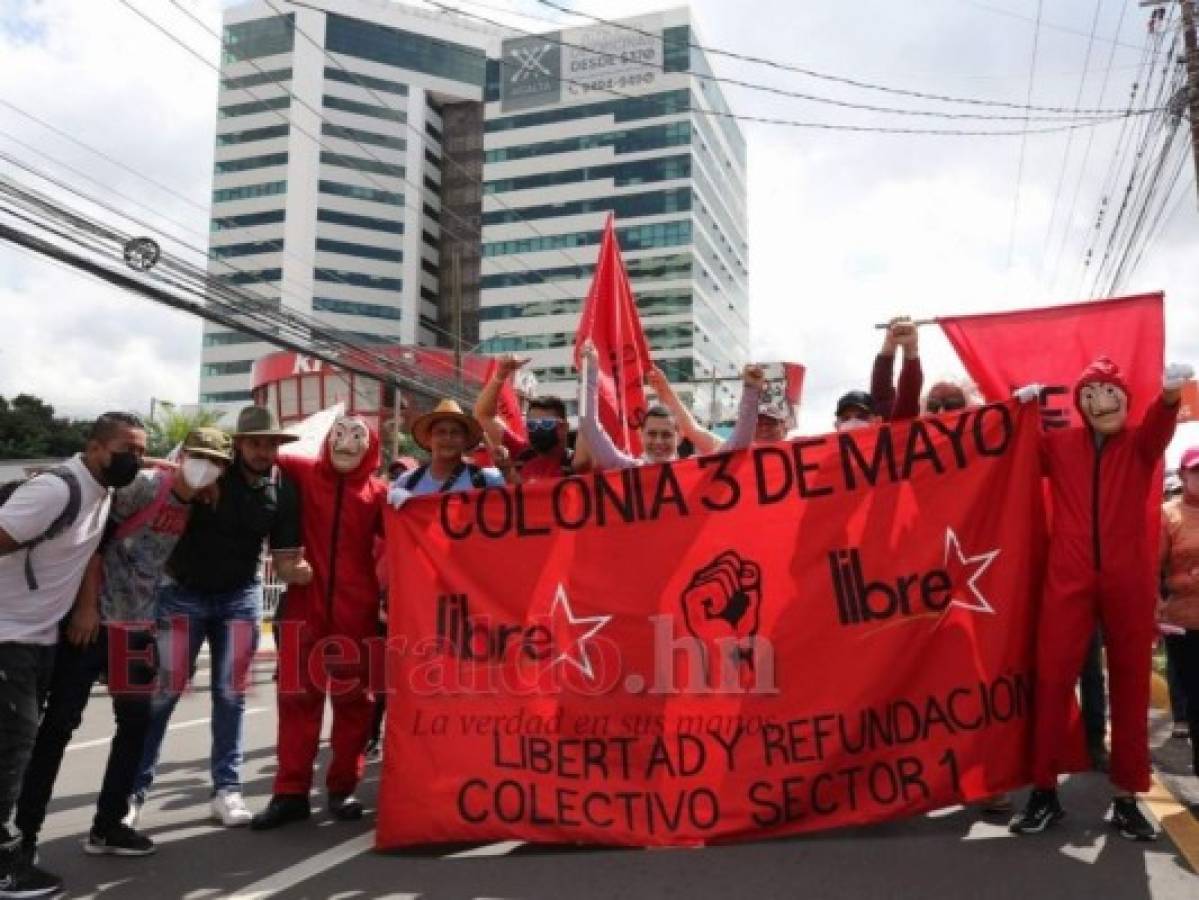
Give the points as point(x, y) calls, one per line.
point(824, 76)
point(1032, 76)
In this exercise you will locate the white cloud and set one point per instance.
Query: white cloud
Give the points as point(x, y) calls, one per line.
point(845, 230)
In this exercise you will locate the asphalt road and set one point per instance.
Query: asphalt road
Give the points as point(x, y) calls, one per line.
point(954, 853)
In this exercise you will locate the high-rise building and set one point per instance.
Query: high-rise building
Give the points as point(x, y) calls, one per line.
point(431, 177)
point(614, 119)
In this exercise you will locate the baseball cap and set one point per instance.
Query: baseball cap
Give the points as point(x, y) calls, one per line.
point(855, 400)
point(209, 443)
point(1190, 458)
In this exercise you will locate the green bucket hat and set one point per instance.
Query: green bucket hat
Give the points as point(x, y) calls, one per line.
point(209, 443)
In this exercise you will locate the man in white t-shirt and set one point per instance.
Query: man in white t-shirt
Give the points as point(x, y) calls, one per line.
point(50, 527)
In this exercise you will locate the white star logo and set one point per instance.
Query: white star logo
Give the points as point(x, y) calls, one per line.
point(567, 620)
point(956, 563)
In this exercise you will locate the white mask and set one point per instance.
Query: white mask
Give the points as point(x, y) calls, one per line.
point(199, 473)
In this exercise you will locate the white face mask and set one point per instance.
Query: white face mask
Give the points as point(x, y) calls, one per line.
point(199, 473)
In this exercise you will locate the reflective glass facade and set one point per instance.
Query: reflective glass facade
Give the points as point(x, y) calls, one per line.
point(404, 49)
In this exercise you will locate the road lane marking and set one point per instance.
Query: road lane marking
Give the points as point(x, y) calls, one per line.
point(175, 726)
point(310, 868)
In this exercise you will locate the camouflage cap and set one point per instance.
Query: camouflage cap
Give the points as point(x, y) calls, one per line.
point(209, 443)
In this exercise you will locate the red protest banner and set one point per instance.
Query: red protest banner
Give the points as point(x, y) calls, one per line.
point(833, 631)
point(609, 319)
point(1052, 345)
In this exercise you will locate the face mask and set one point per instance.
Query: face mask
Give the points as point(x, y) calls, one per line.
point(200, 473)
point(543, 440)
point(121, 469)
point(852, 424)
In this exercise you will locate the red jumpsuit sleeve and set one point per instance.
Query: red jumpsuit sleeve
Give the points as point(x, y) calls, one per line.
point(1157, 428)
point(881, 389)
point(907, 399)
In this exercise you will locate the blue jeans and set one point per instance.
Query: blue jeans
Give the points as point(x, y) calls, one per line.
point(231, 623)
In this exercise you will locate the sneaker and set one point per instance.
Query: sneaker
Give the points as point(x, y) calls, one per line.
point(230, 808)
point(282, 809)
point(345, 807)
point(1127, 818)
point(29, 881)
point(120, 840)
point(135, 811)
point(1042, 810)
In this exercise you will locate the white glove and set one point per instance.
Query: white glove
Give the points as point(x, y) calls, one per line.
point(398, 496)
point(1177, 374)
point(1030, 393)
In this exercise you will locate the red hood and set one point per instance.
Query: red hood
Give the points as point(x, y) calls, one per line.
point(1101, 370)
point(366, 468)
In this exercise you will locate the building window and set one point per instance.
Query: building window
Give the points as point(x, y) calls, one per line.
point(249, 191)
point(625, 206)
point(431, 159)
point(337, 217)
point(430, 267)
point(432, 213)
point(249, 220)
point(349, 308)
point(649, 106)
point(432, 131)
point(248, 249)
point(364, 109)
point(240, 367)
point(428, 294)
point(246, 163)
point(366, 81)
point(362, 165)
point(635, 237)
point(227, 338)
point(676, 48)
point(649, 303)
point(258, 277)
point(403, 49)
point(629, 140)
point(226, 397)
point(357, 279)
point(363, 250)
point(253, 106)
point(248, 81)
point(663, 168)
point(253, 134)
point(259, 37)
point(338, 189)
point(676, 265)
point(363, 137)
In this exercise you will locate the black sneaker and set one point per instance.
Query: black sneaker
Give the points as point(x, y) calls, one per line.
point(1127, 818)
point(28, 881)
point(1042, 810)
point(118, 840)
point(345, 807)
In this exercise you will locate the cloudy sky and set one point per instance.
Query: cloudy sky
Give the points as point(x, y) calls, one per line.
point(845, 229)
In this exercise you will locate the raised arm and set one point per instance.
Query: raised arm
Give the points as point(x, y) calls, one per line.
point(753, 378)
point(1157, 428)
point(604, 452)
point(488, 402)
point(704, 440)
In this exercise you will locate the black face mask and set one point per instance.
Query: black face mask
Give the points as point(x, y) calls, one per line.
point(543, 441)
point(121, 469)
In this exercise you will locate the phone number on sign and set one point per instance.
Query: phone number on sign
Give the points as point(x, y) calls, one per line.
point(615, 83)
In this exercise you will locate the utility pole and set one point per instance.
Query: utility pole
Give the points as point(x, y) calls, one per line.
point(1191, 46)
point(456, 299)
point(714, 411)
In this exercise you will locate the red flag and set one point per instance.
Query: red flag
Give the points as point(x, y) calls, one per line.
point(610, 320)
point(509, 404)
point(1052, 345)
point(781, 658)
point(793, 374)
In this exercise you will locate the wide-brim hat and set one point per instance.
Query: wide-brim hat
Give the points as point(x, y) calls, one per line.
point(446, 410)
point(209, 443)
point(258, 421)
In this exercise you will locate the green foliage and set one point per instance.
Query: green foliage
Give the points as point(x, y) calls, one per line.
point(30, 430)
point(170, 426)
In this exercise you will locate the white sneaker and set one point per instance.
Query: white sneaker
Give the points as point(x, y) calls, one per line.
point(230, 808)
point(135, 812)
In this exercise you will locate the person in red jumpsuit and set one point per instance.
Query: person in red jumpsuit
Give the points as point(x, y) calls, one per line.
point(326, 627)
point(1101, 564)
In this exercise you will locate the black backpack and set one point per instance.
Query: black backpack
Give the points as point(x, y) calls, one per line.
point(65, 519)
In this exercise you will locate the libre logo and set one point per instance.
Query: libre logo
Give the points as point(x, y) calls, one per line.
point(722, 606)
point(955, 583)
point(560, 637)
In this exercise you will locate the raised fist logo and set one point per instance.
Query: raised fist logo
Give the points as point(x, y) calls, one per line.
point(721, 606)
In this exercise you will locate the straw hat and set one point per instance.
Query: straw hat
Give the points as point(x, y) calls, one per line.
point(446, 410)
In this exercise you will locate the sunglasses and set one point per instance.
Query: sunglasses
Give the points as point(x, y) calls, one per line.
point(949, 404)
point(541, 424)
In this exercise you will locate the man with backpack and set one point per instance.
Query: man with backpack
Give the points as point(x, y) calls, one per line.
point(111, 629)
point(447, 434)
point(50, 527)
point(211, 591)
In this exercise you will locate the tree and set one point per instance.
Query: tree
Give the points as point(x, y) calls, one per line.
point(171, 425)
point(30, 430)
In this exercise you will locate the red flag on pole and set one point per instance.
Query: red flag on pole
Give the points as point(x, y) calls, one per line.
point(1052, 345)
point(508, 406)
point(610, 320)
point(793, 374)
